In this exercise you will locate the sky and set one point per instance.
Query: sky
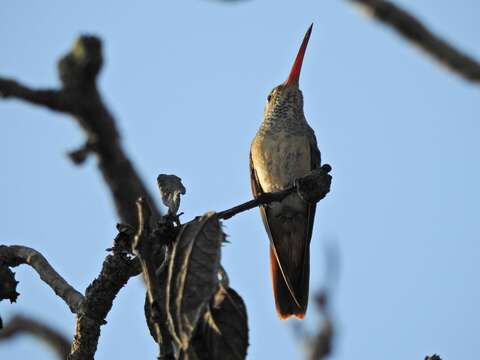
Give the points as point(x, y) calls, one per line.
point(187, 82)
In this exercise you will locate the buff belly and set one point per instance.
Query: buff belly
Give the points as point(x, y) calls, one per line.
point(279, 159)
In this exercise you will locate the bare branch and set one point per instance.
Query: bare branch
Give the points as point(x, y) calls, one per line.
point(117, 269)
point(265, 198)
point(80, 98)
point(20, 325)
point(92, 308)
point(413, 30)
point(53, 99)
point(320, 345)
point(312, 188)
point(15, 255)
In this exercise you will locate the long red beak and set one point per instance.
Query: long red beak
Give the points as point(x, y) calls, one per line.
point(294, 76)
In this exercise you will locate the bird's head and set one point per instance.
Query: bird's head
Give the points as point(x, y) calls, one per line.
point(286, 99)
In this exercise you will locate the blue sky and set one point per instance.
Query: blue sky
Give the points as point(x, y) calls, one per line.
point(187, 82)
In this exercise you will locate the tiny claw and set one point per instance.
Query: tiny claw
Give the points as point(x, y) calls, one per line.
point(327, 168)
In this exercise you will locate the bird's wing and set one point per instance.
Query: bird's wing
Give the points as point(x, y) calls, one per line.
point(315, 160)
point(257, 191)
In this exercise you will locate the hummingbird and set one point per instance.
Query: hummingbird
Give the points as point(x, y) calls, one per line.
point(284, 149)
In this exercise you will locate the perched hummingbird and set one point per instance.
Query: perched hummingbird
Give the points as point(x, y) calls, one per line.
point(285, 148)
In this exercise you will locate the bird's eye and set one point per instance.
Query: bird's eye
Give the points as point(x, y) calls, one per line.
point(269, 97)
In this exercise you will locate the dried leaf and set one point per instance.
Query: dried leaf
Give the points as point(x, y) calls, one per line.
point(162, 277)
point(171, 188)
point(225, 330)
point(192, 275)
point(188, 354)
point(8, 284)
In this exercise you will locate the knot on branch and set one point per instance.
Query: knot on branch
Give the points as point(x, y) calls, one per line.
point(82, 64)
point(79, 155)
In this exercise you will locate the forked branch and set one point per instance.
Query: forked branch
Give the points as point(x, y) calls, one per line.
point(80, 98)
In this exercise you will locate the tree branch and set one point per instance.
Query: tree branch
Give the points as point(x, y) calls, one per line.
point(312, 188)
point(320, 345)
point(117, 269)
point(53, 99)
point(92, 308)
point(19, 325)
point(414, 31)
point(265, 198)
point(15, 255)
point(80, 98)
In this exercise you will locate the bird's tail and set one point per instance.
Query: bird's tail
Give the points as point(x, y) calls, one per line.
point(288, 305)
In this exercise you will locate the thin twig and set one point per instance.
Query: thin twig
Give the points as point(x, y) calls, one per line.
point(19, 325)
point(15, 255)
point(57, 100)
point(413, 30)
point(80, 98)
point(265, 198)
point(311, 188)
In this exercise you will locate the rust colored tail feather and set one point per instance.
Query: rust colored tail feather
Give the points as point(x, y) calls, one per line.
point(285, 304)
